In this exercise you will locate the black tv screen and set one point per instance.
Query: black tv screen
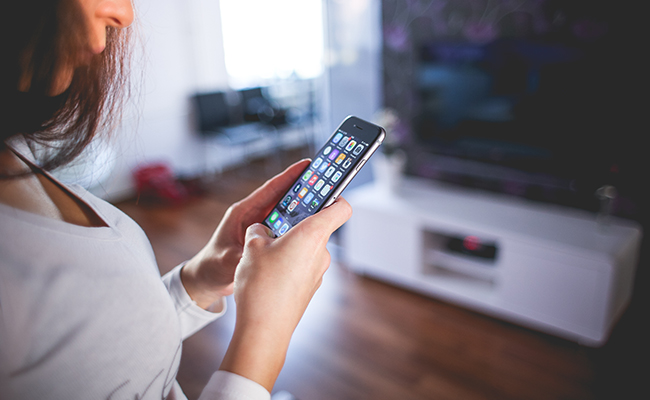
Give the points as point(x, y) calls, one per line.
point(537, 101)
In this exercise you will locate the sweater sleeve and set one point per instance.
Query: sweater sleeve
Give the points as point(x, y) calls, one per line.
point(224, 385)
point(192, 317)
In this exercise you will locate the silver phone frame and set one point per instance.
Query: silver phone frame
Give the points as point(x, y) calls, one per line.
point(335, 195)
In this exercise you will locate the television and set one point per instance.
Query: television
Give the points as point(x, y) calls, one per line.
point(528, 98)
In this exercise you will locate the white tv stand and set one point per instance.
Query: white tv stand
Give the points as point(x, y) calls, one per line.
point(555, 270)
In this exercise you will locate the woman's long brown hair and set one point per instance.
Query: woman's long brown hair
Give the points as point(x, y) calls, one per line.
point(42, 36)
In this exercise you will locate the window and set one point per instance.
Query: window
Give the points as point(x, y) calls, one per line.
point(266, 41)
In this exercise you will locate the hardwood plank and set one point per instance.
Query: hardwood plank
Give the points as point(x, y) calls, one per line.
point(364, 339)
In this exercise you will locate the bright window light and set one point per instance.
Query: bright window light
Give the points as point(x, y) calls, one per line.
point(265, 41)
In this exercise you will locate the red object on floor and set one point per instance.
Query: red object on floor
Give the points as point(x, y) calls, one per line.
point(156, 181)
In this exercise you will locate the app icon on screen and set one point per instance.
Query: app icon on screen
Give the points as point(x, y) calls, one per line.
point(340, 158)
point(313, 179)
point(347, 163)
point(326, 190)
point(344, 141)
point(337, 137)
point(286, 201)
point(319, 184)
point(277, 223)
point(284, 229)
point(323, 167)
point(308, 198)
point(297, 187)
point(314, 203)
point(291, 207)
point(274, 216)
point(333, 154)
point(327, 150)
point(330, 171)
point(317, 162)
point(357, 150)
point(351, 145)
point(303, 192)
point(307, 174)
point(337, 176)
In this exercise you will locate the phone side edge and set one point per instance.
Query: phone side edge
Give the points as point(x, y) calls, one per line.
point(335, 195)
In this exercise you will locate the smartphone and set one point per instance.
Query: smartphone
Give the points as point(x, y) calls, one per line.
point(331, 170)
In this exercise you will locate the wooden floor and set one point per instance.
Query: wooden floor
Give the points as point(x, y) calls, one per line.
point(364, 339)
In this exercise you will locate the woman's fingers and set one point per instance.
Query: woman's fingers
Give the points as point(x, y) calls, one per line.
point(322, 224)
point(258, 234)
point(267, 195)
point(335, 215)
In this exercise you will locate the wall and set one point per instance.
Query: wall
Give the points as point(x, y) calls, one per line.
point(178, 51)
point(354, 73)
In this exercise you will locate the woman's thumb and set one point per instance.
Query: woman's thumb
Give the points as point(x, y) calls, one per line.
point(258, 231)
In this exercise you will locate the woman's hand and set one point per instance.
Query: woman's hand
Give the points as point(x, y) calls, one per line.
point(209, 275)
point(274, 283)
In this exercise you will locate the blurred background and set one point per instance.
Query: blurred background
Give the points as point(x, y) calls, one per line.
point(528, 98)
point(520, 120)
point(217, 83)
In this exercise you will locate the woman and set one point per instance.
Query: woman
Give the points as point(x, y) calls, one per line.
point(83, 311)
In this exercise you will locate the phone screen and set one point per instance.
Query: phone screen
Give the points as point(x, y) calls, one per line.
point(331, 170)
